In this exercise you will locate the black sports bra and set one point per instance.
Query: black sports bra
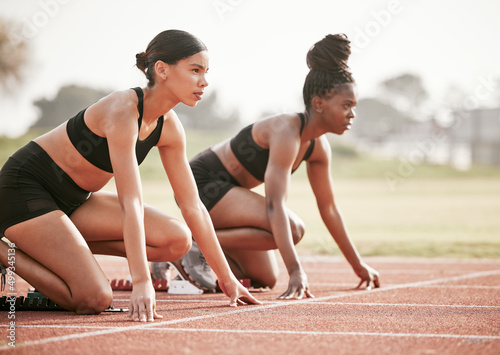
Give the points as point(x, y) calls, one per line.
point(95, 148)
point(253, 157)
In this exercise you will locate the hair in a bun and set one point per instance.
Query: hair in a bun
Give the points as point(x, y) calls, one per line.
point(141, 61)
point(327, 61)
point(168, 46)
point(330, 54)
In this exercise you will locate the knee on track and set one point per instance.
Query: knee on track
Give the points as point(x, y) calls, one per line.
point(268, 280)
point(93, 302)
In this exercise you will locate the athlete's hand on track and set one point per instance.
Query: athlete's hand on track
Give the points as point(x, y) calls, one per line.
point(368, 275)
point(237, 293)
point(143, 303)
point(297, 286)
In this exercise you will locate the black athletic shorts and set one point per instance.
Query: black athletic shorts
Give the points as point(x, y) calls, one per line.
point(212, 178)
point(32, 184)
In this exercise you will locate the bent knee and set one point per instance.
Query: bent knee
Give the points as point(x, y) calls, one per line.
point(93, 303)
point(172, 243)
point(298, 231)
point(269, 280)
point(264, 277)
point(180, 247)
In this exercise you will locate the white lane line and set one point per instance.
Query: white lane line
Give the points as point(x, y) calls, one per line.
point(438, 281)
point(314, 259)
point(409, 335)
point(249, 309)
point(415, 271)
point(481, 287)
point(350, 285)
point(404, 305)
point(384, 271)
point(332, 303)
point(178, 300)
point(293, 332)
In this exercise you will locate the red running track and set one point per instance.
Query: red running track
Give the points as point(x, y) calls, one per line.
point(425, 306)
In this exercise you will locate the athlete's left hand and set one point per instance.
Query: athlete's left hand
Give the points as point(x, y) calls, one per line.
point(298, 286)
point(143, 303)
point(367, 274)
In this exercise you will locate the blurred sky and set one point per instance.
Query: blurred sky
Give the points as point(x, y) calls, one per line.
point(257, 47)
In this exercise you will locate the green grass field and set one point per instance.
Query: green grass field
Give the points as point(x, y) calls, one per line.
point(425, 218)
point(435, 212)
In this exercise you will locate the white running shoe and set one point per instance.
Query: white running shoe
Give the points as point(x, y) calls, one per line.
point(197, 268)
point(161, 270)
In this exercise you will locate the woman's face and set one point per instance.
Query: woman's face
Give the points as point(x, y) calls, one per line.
point(186, 79)
point(338, 108)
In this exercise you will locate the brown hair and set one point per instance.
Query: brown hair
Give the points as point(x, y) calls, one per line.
point(168, 46)
point(327, 61)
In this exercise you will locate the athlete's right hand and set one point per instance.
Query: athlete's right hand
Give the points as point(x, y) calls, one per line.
point(143, 303)
point(297, 286)
point(237, 293)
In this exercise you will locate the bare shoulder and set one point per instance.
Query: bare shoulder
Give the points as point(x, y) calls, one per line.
point(282, 127)
point(322, 150)
point(173, 132)
point(116, 110)
point(118, 103)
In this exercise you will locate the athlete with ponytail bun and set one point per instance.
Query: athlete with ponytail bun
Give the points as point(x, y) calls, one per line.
point(52, 209)
point(250, 226)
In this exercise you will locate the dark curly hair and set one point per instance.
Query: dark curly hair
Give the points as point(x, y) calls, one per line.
point(168, 46)
point(327, 61)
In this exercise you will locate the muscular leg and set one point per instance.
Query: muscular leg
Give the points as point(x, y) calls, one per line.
point(54, 258)
point(99, 220)
point(243, 230)
point(55, 252)
point(260, 266)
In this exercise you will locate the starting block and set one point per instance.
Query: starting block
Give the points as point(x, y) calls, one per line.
point(161, 285)
point(121, 285)
point(34, 301)
point(183, 287)
point(126, 285)
point(113, 309)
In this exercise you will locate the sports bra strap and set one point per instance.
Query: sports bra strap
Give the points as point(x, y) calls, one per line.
point(302, 122)
point(140, 106)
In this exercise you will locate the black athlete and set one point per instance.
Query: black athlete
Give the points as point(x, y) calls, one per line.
point(249, 226)
point(213, 179)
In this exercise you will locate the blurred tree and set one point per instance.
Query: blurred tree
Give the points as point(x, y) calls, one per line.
point(208, 115)
point(454, 97)
point(67, 103)
point(376, 120)
point(406, 93)
point(13, 56)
